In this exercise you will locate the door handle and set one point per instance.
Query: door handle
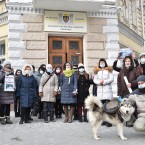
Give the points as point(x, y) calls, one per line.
point(78, 53)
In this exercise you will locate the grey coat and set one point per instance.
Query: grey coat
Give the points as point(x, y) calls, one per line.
point(49, 88)
point(5, 97)
point(68, 86)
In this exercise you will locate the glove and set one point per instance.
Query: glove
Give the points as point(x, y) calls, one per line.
point(119, 99)
point(40, 94)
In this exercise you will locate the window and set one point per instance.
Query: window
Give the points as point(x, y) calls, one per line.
point(134, 12)
point(2, 49)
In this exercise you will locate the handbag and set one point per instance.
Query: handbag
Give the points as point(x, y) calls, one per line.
point(41, 93)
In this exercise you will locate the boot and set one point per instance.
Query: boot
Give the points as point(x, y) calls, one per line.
point(27, 120)
point(45, 116)
point(3, 121)
point(52, 116)
point(21, 121)
point(8, 121)
point(85, 119)
point(80, 119)
point(70, 114)
point(66, 114)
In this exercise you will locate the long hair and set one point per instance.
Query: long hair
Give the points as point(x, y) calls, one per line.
point(102, 59)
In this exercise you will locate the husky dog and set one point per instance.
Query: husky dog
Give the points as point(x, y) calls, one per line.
point(97, 115)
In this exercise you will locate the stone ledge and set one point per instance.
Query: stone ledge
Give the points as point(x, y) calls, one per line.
point(16, 26)
point(97, 21)
point(14, 54)
point(95, 29)
point(14, 17)
point(32, 18)
point(37, 45)
point(96, 37)
point(95, 45)
point(34, 27)
point(36, 62)
point(16, 44)
point(33, 54)
point(97, 54)
point(34, 36)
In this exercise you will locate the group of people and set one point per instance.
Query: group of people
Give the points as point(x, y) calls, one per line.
point(64, 89)
point(56, 90)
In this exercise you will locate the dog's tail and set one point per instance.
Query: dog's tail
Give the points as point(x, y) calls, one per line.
point(92, 103)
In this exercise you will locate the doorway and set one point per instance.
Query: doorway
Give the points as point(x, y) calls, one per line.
point(65, 49)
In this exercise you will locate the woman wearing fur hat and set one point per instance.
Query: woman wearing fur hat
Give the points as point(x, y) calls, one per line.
point(103, 79)
point(6, 98)
point(83, 91)
point(131, 73)
point(68, 85)
point(47, 91)
point(26, 91)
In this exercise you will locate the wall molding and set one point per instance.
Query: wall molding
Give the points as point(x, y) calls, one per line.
point(130, 33)
point(3, 18)
point(103, 14)
point(24, 9)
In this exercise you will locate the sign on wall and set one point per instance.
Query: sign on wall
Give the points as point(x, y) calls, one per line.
point(61, 21)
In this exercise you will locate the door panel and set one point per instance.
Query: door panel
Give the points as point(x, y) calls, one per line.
point(57, 44)
point(74, 58)
point(74, 45)
point(65, 49)
point(57, 59)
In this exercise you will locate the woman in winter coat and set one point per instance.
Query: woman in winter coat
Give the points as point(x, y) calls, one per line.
point(131, 73)
point(16, 100)
point(68, 85)
point(141, 67)
point(103, 79)
point(26, 91)
point(6, 98)
point(83, 91)
point(58, 105)
point(38, 105)
point(47, 91)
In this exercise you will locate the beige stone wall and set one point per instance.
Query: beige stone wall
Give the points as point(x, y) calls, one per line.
point(95, 42)
point(35, 39)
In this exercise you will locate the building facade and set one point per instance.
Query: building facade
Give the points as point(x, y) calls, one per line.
point(3, 31)
point(41, 32)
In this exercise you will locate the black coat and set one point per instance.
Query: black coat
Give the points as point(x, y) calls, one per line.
point(83, 87)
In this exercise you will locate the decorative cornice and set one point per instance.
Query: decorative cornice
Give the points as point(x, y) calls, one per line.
point(103, 14)
point(130, 33)
point(22, 9)
point(3, 18)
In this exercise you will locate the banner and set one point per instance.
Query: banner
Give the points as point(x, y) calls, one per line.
point(124, 52)
point(9, 85)
point(62, 21)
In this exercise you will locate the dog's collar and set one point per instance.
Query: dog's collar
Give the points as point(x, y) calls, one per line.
point(120, 117)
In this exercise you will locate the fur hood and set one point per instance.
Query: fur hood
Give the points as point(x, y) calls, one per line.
point(23, 70)
point(109, 68)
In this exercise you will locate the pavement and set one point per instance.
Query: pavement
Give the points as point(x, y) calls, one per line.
point(59, 133)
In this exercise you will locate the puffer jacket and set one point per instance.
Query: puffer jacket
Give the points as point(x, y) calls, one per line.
point(104, 92)
point(26, 88)
point(140, 103)
point(5, 97)
point(49, 88)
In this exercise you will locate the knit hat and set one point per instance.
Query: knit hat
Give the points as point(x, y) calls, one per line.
point(141, 78)
point(48, 65)
point(6, 62)
point(142, 54)
point(80, 65)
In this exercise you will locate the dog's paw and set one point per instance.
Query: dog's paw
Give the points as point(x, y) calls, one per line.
point(123, 138)
point(97, 138)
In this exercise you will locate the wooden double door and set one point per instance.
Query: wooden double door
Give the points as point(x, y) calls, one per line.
point(65, 49)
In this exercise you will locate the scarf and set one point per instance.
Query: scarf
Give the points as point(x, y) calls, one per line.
point(68, 73)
